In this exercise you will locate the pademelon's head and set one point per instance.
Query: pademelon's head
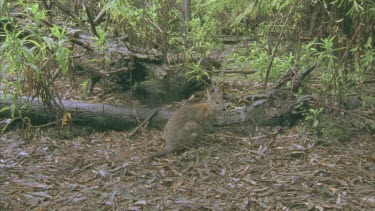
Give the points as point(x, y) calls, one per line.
point(215, 100)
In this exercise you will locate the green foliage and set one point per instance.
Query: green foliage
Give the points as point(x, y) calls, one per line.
point(332, 129)
point(365, 62)
point(313, 115)
point(258, 57)
point(335, 76)
point(201, 38)
point(28, 58)
point(308, 53)
point(327, 56)
point(202, 35)
point(197, 72)
point(226, 14)
point(147, 25)
point(233, 14)
point(37, 13)
point(60, 52)
point(25, 121)
point(100, 42)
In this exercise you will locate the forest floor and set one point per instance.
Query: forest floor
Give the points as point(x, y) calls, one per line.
point(234, 168)
point(105, 171)
point(266, 168)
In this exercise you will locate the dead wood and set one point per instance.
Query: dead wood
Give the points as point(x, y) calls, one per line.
point(91, 21)
point(243, 72)
point(96, 115)
point(143, 124)
point(298, 81)
point(64, 8)
point(282, 106)
point(100, 15)
point(279, 106)
point(274, 50)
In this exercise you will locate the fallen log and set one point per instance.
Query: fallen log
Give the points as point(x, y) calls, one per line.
point(278, 107)
point(96, 115)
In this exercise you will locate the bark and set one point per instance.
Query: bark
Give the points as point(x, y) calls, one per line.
point(97, 116)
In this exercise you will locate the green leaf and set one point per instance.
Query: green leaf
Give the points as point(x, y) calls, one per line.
point(6, 126)
point(49, 41)
point(12, 110)
point(5, 68)
point(5, 109)
point(36, 70)
point(316, 122)
point(29, 55)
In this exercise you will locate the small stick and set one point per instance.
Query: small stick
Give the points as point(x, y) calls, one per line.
point(143, 123)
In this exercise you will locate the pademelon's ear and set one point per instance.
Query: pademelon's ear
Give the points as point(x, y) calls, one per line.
point(213, 92)
point(217, 92)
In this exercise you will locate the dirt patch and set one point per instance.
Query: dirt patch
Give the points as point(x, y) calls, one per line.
point(264, 170)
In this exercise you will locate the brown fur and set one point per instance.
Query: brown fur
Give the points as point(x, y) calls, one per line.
point(185, 128)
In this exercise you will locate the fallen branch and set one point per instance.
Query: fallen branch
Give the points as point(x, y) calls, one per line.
point(143, 124)
point(244, 72)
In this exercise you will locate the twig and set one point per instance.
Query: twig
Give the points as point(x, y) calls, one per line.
point(349, 112)
point(92, 24)
point(274, 50)
point(143, 123)
point(100, 15)
point(64, 8)
point(302, 76)
point(369, 81)
point(244, 72)
point(80, 43)
point(153, 23)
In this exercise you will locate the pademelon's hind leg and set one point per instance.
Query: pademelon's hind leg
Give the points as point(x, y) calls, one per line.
point(188, 136)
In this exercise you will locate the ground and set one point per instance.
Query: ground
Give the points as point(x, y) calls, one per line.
point(236, 167)
point(270, 169)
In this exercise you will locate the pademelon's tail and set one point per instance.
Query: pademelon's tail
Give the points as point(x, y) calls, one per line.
point(159, 155)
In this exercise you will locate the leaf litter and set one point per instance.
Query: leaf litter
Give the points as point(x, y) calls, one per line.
point(228, 171)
